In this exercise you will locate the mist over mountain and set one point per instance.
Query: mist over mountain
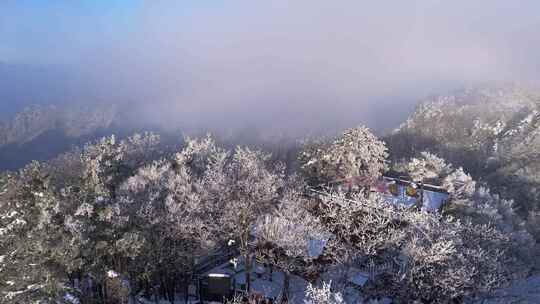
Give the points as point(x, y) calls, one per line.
point(41, 132)
point(24, 85)
point(461, 126)
point(305, 151)
point(301, 67)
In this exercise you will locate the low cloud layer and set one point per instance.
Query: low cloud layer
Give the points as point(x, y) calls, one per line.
point(295, 66)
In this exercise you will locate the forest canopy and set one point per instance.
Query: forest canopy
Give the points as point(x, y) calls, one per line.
point(148, 214)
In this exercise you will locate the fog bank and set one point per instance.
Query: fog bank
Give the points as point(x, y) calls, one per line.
point(290, 66)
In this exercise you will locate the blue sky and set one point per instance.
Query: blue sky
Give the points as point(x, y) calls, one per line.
point(31, 29)
point(51, 31)
point(45, 31)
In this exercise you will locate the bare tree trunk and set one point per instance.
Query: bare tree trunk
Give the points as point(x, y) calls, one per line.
point(421, 195)
point(104, 292)
point(172, 290)
point(286, 280)
point(247, 267)
point(186, 290)
point(162, 288)
point(247, 258)
point(156, 296)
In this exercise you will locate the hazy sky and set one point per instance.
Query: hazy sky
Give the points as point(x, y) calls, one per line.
point(279, 64)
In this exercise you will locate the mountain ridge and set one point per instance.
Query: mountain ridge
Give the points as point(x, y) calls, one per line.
point(493, 132)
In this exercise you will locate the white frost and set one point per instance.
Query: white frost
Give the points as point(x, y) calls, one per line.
point(71, 299)
point(112, 274)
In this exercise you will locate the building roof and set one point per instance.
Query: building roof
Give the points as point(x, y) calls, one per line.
point(433, 196)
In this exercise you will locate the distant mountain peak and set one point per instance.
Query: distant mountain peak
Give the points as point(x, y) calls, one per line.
point(74, 121)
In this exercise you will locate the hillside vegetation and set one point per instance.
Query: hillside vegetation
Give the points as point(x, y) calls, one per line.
point(129, 209)
point(493, 132)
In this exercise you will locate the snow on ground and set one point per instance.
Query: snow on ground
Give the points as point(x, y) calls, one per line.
point(315, 247)
point(264, 283)
point(271, 285)
point(71, 299)
point(434, 200)
point(522, 291)
point(431, 200)
point(346, 278)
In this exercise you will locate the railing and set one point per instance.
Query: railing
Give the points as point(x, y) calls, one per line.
point(397, 268)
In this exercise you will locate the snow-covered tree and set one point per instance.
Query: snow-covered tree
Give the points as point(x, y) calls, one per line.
point(109, 161)
point(355, 152)
point(469, 200)
point(428, 168)
point(418, 255)
point(291, 238)
point(166, 222)
point(122, 207)
point(198, 199)
point(450, 260)
point(253, 190)
point(34, 254)
point(94, 217)
point(472, 202)
point(323, 295)
point(492, 132)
